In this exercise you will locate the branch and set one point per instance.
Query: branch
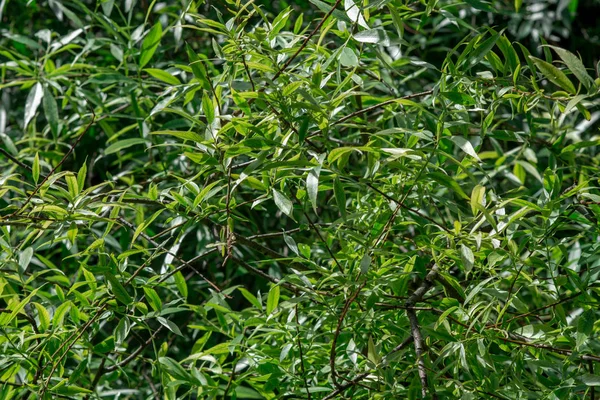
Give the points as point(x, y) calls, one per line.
point(135, 354)
point(416, 331)
point(332, 353)
point(357, 379)
point(305, 42)
point(61, 162)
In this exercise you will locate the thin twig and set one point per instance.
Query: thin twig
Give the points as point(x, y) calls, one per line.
point(301, 354)
point(135, 354)
point(305, 42)
point(61, 162)
point(336, 334)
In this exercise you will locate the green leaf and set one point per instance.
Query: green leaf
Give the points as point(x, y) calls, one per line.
point(118, 289)
point(365, 264)
point(150, 44)
point(348, 57)
point(6, 318)
point(163, 76)
point(273, 299)
point(575, 66)
point(467, 257)
point(250, 297)
point(34, 98)
point(376, 36)
point(465, 146)
point(185, 135)
point(35, 168)
point(590, 379)
point(59, 314)
point(51, 111)
point(123, 144)
point(153, 298)
point(554, 74)
point(106, 346)
point(174, 369)
point(459, 98)
point(340, 196)
point(170, 325)
point(198, 68)
point(25, 258)
point(518, 4)
point(208, 107)
point(181, 284)
point(283, 203)
point(477, 199)
point(43, 316)
point(372, 353)
point(312, 186)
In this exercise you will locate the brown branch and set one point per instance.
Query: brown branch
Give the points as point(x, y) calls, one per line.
point(336, 334)
point(416, 330)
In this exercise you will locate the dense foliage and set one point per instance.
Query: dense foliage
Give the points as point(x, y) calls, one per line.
point(325, 199)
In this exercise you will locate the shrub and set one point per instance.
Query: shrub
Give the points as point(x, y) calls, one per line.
point(378, 199)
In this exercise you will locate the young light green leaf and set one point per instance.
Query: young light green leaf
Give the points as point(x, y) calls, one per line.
point(150, 44)
point(272, 299)
point(518, 4)
point(477, 199)
point(185, 135)
point(163, 76)
point(554, 74)
point(123, 144)
point(35, 168)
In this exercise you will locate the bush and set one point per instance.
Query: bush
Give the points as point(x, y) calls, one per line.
point(378, 199)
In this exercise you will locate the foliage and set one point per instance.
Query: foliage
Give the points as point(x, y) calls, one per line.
point(378, 199)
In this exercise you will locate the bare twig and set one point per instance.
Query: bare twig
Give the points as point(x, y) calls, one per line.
point(301, 354)
point(135, 354)
point(336, 334)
